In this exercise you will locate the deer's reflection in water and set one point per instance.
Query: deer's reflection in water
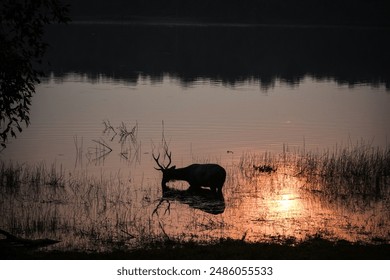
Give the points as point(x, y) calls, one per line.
point(199, 198)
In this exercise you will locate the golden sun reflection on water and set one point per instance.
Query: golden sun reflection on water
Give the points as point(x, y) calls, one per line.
point(268, 205)
point(284, 199)
point(287, 203)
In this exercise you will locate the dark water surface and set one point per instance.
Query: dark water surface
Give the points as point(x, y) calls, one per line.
point(214, 93)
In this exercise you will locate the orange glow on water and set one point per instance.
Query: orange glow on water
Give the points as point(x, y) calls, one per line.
point(287, 203)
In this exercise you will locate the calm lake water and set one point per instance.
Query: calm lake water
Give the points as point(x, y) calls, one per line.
point(214, 94)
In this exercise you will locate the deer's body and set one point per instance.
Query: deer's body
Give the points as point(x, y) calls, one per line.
point(197, 175)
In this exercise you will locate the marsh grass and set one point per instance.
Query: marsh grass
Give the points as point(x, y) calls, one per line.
point(359, 170)
point(82, 211)
point(110, 212)
point(355, 169)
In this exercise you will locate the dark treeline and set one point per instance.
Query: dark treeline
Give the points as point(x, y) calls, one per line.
point(224, 54)
point(322, 12)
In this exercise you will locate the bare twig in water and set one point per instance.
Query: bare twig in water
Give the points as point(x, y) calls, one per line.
point(108, 128)
point(124, 133)
point(130, 150)
point(102, 143)
point(165, 147)
point(79, 150)
point(101, 151)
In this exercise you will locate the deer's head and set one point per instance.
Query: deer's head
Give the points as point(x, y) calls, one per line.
point(166, 170)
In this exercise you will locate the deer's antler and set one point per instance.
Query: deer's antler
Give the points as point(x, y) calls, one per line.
point(162, 167)
point(156, 160)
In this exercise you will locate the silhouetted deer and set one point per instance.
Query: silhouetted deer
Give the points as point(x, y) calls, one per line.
point(197, 175)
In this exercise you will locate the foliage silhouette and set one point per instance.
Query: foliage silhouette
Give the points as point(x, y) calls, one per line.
point(22, 24)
